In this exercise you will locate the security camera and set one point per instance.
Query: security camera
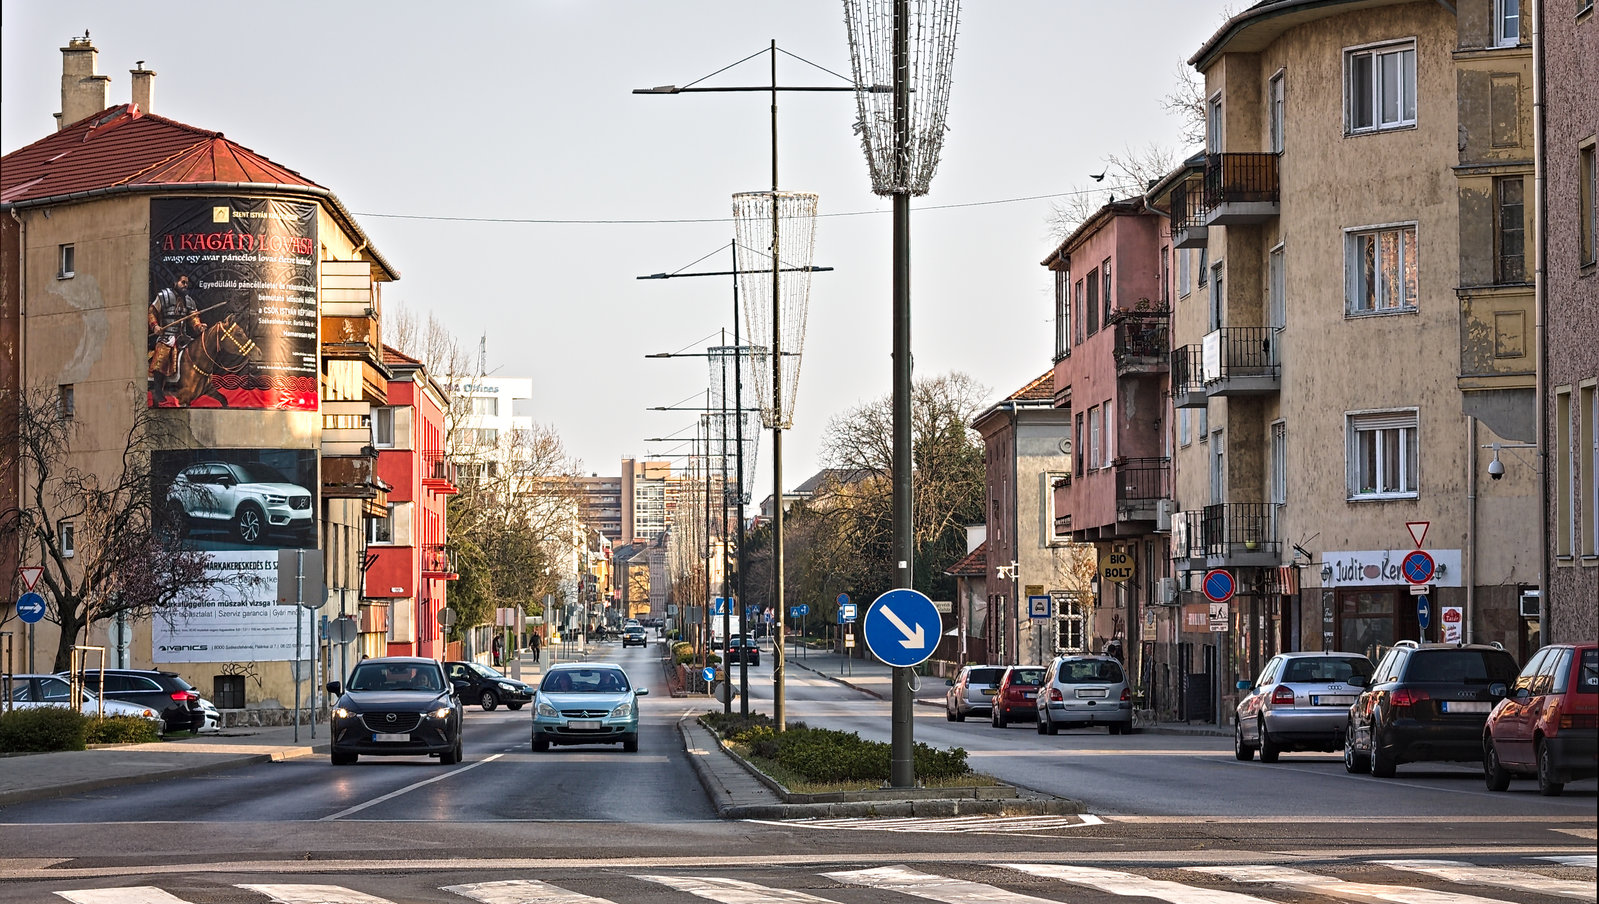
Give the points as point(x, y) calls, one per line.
point(1496, 469)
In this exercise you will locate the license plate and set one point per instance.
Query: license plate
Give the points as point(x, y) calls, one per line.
point(1029, 696)
point(1085, 692)
point(391, 737)
point(1331, 700)
point(583, 725)
point(1465, 706)
point(990, 691)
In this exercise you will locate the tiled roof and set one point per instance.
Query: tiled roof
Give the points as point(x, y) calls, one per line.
point(1041, 389)
point(974, 565)
point(123, 146)
point(393, 356)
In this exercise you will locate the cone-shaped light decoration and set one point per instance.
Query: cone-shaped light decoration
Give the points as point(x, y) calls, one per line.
point(775, 231)
point(930, 50)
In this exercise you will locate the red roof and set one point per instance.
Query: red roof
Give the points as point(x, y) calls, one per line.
point(126, 146)
point(1041, 389)
point(975, 565)
point(393, 356)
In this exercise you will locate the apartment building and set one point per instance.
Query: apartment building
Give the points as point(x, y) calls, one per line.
point(600, 505)
point(649, 499)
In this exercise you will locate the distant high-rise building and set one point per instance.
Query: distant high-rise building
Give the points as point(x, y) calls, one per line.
point(600, 505)
point(649, 494)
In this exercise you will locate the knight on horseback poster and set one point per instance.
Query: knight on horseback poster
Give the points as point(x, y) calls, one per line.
point(233, 316)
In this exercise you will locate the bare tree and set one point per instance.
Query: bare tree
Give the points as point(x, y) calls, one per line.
point(1127, 174)
point(94, 527)
point(1186, 102)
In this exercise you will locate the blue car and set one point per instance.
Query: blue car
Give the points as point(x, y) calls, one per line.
point(586, 703)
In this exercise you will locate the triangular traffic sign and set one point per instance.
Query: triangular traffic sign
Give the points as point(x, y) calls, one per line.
point(1418, 531)
point(30, 575)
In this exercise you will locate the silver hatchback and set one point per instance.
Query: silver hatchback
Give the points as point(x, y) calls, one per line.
point(1080, 689)
point(972, 691)
point(1300, 702)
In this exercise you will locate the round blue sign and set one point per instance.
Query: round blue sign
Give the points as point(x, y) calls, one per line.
point(843, 599)
point(1418, 567)
point(902, 627)
point(30, 607)
point(1219, 585)
point(709, 674)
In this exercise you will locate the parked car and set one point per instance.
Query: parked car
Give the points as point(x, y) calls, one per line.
point(586, 703)
point(35, 691)
point(1016, 700)
point(633, 636)
point(1300, 701)
point(1425, 702)
point(1546, 727)
point(253, 500)
point(211, 715)
point(972, 691)
point(1082, 689)
point(175, 699)
point(742, 648)
point(487, 686)
point(396, 706)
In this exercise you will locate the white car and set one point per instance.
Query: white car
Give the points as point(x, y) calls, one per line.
point(253, 500)
point(213, 718)
point(34, 691)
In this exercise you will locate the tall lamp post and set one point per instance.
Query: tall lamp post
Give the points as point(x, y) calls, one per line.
point(912, 45)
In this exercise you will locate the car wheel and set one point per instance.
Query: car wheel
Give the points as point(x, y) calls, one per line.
point(1493, 771)
point(452, 756)
point(630, 743)
point(996, 717)
point(340, 758)
point(1241, 751)
point(1382, 764)
point(487, 701)
point(1547, 786)
point(540, 745)
point(513, 707)
point(1354, 763)
point(1040, 726)
point(249, 523)
point(1268, 750)
point(949, 714)
point(1053, 728)
point(958, 715)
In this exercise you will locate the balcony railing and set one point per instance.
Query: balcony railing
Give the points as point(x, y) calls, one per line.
point(1240, 188)
point(440, 474)
point(1241, 361)
point(1187, 377)
point(1233, 532)
point(1188, 215)
point(1142, 481)
point(438, 561)
point(1187, 541)
point(1142, 340)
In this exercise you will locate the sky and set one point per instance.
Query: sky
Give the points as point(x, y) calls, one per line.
point(495, 154)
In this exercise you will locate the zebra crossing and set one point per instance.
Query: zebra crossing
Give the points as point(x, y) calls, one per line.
point(1391, 881)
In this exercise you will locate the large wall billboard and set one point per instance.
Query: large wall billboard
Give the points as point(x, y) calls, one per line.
point(238, 499)
point(238, 620)
point(232, 321)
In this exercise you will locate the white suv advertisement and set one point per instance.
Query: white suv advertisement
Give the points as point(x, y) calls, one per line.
point(240, 498)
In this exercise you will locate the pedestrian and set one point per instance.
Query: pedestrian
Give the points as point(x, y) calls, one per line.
point(499, 650)
point(534, 643)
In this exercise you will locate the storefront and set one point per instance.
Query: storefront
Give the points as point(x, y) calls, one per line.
point(1367, 604)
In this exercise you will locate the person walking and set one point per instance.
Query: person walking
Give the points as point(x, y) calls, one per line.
point(535, 643)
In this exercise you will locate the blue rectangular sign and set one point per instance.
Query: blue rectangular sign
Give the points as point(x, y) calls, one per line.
point(797, 611)
point(846, 613)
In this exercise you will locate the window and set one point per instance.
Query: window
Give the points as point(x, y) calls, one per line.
point(1584, 6)
point(1105, 267)
point(1218, 470)
point(1279, 463)
point(1182, 426)
point(1071, 634)
point(67, 265)
point(383, 427)
point(1510, 230)
point(1094, 460)
point(1213, 125)
point(66, 539)
point(1093, 301)
point(1277, 273)
point(1507, 23)
point(1277, 101)
point(1588, 463)
point(1077, 446)
point(1381, 89)
point(487, 406)
point(1077, 307)
point(1217, 299)
point(1110, 432)
point(66, 401)
point(1564, 457)
point(1381, 270)
point(1063, 313)
point(1165, 275)
point(381, 530)
point(1202, 417)
point(1185, 271)
point(1204, 265)
point(1382, 455)
point(1588, 177)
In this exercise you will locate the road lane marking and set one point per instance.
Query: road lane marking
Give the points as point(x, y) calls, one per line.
point(1591, 861)
point(143, 894)
point(1339, 888)
point(315, 894)
point(934, 888)
point(521, 891)
point(988, 825)
point(1471, 874)
point(1119, 883)
point(734, 891)
point(409, 788)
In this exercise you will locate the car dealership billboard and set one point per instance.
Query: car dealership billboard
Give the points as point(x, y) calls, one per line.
point(236, 619)
point(238, 499)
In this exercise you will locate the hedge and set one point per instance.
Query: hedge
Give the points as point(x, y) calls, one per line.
point(52, 728)
point(826, 755)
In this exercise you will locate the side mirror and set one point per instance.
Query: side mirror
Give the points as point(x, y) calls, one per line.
point(335, 688)
point(641, 692)
point(950, 682)
point(1243, 685)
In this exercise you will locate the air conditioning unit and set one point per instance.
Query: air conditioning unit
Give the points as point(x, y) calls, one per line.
point(1164, 509)
point(1529, 603)
point(1166, 592)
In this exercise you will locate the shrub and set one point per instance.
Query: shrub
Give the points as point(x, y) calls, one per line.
point(42, 730)
point(122, 730)
point(823, 755)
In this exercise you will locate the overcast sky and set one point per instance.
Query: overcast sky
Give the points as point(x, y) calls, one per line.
point(443, 125)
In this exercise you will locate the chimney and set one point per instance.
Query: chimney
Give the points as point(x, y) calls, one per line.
point(83, 93)
point(143, 86)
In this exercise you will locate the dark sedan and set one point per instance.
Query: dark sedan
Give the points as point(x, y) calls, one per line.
point(487, 687)
point(396, 706)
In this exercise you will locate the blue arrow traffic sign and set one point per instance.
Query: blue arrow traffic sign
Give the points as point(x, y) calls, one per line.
point(902, 627)
point(1423, 612)
point(709, 673)
point(30, 607)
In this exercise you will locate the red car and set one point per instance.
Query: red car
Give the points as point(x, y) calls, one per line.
point(1548, 726)
point(1017, 697)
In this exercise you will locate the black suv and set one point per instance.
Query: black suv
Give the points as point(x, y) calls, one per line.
point(486, 686)
point(742, 648)
point(1426, 702)
point(175, 699)
point(396, 706)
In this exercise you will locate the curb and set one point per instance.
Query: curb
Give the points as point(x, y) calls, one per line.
point(25, 795)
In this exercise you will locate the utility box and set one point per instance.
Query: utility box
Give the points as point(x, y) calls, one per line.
point(228, 691)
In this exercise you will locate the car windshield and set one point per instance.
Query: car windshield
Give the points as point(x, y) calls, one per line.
point(391, 676)
point(1588, 673)
point(1030, 677)
point(1326, 670)
point(1461, 667)
point(584, 681)
point(1089, 671)
point(984, 676)
point(259, 473)
point(486, 671)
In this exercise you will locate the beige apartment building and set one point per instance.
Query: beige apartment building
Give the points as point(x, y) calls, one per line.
point(1352, 331)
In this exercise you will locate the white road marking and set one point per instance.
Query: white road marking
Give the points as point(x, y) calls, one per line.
point(988, 825)
point(142, 894)
point(1119, 883)
point(521, 891)
point(734, 891)
point(1589, 860)
point(409, 788)
point(315, 894)
point(1472, 874)
point(934, 888)
point(1338, 888)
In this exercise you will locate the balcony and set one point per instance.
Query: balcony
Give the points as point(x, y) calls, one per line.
point(353, 477)
point(1240, 189)
point(439, 474)
point(1187, 383)
point(438, 562)
point(1188, 228)
point(1187, 542)
point(1240, 361)
point(1140, 484)
point(1142, 342)
point(1239, 534)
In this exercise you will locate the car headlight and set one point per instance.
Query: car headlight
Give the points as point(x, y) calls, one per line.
point(340, 712)
point(274, 499)
point(623, 710)
point(442, 712)
point(509, 689)
point(546, 710)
